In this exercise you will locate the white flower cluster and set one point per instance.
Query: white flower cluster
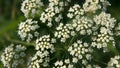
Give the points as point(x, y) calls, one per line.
point(27, 30)
point(63, 64)
point(80, 23)
point(91, 5)
point(104, 19)
point(114, 62)
point(67, 22)
point(102, 41)
point(53, 12)
point(15, 53)
point(75, 10)
point(80, 51)
point(44, 43)
point(83, 25)
point(44, 47)
point(7, 56)
point(63, 32)
point(31, 7)
point(103, 31)
point(66, 63)
point(94, 5)
point(103, 38)
point(34, 63)
point(19, 56)
point(40, 59)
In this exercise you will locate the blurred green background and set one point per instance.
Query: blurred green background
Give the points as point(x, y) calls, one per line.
point(11, 16)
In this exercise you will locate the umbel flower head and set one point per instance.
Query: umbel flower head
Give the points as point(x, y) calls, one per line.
point(31, 7)
point(64, 34)
point(27, 30)
point(114, 62)
point(13, 52)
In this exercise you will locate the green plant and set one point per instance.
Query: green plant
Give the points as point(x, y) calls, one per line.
point(65, 34)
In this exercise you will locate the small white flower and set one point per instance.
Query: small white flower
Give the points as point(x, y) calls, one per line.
point(30, 7)
point(70, 15)
point(63, 32)
point(78, 50)
point(104, 19)
point(43, 44)
point(91, 5)
point(25, 29)
point(14, 54)
point(63, 64)
point(75, 60)
point(114, 62)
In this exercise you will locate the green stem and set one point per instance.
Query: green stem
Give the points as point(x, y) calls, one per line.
point(100, 62)
point(18, 41)
point(73, 38)
point(21, 42)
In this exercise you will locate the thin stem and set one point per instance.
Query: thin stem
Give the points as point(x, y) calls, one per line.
point(100, 62)
point(21, 42)
point(18, 41)
point(73, 38)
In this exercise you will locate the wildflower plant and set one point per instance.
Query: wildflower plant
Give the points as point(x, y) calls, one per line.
point(65, 34)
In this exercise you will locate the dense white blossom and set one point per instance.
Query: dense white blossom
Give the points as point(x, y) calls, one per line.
point(15, 53)
point(102, 39)
point(114, 62)
point(103, 31)
point(80, 23)
point(79, 30)
point(63, 32)
point(44, 43)
point(7, 56)
point(95, 5)
point(31, 7)
point(52, 13)
point(44, 47)
point(91, 5)
point(81, 54)
point(104, 19)
point(34, 64)
point(83, 25)
point(80, 51)
point(63, 64)
point(41, 58)
point(27, 30)
point(75, 10)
